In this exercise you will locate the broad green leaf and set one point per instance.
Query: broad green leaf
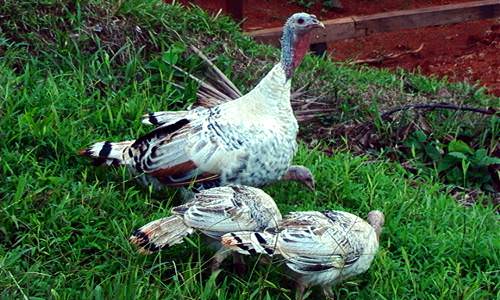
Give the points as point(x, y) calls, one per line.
point(458, 155)
point(459, 146)
point(433, 152)
point(488, 161)
point(480, 154)
point(455, 175)
point(446, 163)
point(171, 56)
point(420, 136)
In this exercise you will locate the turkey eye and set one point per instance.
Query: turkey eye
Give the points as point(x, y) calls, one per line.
point(300, 21)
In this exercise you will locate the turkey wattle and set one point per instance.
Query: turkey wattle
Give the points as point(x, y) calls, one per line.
point(214, 212)
point(249, 141)
point(319, 248)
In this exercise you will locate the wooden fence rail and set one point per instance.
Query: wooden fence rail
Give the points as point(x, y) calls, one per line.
point(359, 26)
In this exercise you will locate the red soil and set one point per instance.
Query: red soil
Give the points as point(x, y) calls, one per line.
point(272, 13)
point(467, 51)
point(462, 52)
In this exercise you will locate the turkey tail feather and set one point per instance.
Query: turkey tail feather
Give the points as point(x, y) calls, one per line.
point(163, 117)
point(250, 243)
point(107, 153)
point(159, 234)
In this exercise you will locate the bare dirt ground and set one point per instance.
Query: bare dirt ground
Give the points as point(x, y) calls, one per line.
point(461, 52)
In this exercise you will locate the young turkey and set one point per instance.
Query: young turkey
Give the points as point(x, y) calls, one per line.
point(319, 248)
point(249, 141)
point(213, 212)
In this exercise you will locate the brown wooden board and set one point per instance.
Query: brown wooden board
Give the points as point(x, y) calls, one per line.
point(428, 16)
point(336, 29)
point(357, 26)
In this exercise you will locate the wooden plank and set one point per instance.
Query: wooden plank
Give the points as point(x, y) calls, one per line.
point(269, 36)
point(358, 26)
point(335, 29)
point(429, 16)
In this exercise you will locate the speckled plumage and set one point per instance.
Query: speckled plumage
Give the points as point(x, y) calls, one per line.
point(213, 212)
point(248, 141)
point(319, 248)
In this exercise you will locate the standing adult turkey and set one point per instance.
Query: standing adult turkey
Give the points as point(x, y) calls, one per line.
point(319, 248)
point(248, 141)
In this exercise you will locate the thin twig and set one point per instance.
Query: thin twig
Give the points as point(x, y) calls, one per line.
point(318, 110)
point(488, 111)
point(388, 56)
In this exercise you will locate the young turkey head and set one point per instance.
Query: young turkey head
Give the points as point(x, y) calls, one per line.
point(296, 39)
point(302, 175)
point(376, 218)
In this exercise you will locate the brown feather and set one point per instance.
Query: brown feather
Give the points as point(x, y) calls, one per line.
point(175, 170)
point(205, 177)
point(178, 170)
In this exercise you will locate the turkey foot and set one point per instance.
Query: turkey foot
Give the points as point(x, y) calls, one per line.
point(300, 289)
point(218, 258)
point(328, 292)
point(239, 265)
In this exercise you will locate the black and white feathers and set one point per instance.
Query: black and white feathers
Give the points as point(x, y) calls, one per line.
point(213, 212)
point(249, 141)
point(320, 248)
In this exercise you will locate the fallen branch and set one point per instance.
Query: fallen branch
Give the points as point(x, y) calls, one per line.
point(388, 56)
point(488, 111)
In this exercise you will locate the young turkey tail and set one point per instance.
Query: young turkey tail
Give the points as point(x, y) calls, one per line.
point(159, 234)
point(107, 153)
point(163, 117)
point(250, 243)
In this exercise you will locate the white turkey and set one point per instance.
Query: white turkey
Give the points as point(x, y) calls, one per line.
point(213, 212)
point(248, 141)
point(319, 248)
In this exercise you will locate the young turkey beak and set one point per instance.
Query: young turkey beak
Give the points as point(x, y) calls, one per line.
point(319, 25)
point(316, 23)
point(311, 185)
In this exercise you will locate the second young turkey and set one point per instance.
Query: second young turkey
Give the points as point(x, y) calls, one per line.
point(319, 248)
point(213, 212)
point(248, 141)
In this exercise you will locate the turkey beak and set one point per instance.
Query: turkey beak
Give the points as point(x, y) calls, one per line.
point(311, 185)
point(317, 24)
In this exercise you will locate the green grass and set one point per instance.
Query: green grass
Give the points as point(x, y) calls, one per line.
point(64, 224)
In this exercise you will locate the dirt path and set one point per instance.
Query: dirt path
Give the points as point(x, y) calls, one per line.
point(461, 52)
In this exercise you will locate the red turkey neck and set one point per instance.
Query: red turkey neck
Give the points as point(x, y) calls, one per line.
point(293, 49)
point(300, 49)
